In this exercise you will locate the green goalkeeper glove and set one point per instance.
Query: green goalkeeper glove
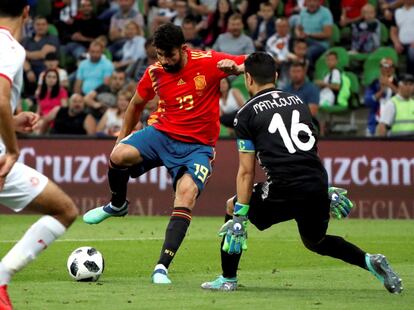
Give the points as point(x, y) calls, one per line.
point(341, 206)
point(235, 230)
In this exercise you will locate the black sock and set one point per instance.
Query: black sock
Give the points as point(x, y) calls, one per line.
point(118, 177)
point(174, 235)
point(229, 262)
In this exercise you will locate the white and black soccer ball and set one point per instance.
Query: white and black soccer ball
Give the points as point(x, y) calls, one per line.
point(85, 264)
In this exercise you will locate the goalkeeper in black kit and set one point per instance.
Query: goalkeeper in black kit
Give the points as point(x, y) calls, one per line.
point(276, 128)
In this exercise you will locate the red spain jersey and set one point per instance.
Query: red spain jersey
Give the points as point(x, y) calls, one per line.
point(188, 109)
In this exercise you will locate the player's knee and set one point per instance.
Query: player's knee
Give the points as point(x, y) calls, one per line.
point(313, 245)
point(125, 155)
point(186, 193)
point(71, 212)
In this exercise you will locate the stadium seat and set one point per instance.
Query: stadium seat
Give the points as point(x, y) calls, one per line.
point(321, 68)
point(52, 30)
point(239, 84)
point(371, 65)
point(355, 89)
point(385, 34)
point(336, 35)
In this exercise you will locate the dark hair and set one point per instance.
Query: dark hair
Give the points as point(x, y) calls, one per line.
point(12, 8)
point(149, 42)
point(262, 67)
point(55, 89)
point(167, 37)
point(297, 41)
point(332, 53)
point(301, 64)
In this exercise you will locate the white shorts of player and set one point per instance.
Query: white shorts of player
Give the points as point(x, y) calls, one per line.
point(23, 184)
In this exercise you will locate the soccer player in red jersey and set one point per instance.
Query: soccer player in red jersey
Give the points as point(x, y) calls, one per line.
point(181, 137)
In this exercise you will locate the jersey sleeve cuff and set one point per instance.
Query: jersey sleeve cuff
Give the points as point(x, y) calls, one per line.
point(7, 78)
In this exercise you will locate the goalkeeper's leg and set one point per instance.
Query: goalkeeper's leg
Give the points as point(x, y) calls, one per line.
point(229, 262)
point(313, 233)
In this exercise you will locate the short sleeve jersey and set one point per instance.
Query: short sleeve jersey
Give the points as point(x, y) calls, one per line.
point(188, 108)
point(12, 56)
point(279, 125)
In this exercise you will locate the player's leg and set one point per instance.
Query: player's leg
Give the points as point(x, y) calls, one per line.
point(27, 187)
point(313, 219)
point(227, 281)
point(128, 154)
point(190, 170)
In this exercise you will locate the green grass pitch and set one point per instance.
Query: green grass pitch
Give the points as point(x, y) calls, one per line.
point(277, 272)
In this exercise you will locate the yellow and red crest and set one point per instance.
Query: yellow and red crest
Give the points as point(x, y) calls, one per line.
point(200, 82)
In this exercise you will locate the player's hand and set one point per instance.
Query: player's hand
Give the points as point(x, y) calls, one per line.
point(341, 206)
point(6, 164)
point(25, 122)
point(230, 67)
point(235, 235)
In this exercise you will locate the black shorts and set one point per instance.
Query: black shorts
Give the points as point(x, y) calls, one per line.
point(311, 213)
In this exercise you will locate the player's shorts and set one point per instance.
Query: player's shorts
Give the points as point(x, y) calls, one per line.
point(23, 184)
point(157, 149)
point(311, 214)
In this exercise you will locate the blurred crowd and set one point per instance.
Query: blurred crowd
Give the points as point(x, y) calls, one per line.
point(84, 57)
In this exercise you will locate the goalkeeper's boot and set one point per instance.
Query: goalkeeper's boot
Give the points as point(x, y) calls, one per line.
point(5, 303)
point(160, 275)
point(221, 284)
point(97, 215)
point(378, 265)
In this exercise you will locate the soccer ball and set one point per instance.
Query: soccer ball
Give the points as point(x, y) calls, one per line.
point(85, 264)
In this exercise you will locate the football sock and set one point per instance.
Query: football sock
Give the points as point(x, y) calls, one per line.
point(118, 177)
point(174, 235)
point(338, 247)
point(37, 238)
point(229, 262)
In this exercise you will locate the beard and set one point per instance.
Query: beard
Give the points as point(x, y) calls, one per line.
point(172, 68)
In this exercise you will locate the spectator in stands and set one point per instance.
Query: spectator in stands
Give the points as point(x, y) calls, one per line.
point(39, 46)
point(73, 119)
point(366, 34)
point(181, 9)
point(315, 25)
point(51, 96)
point(122, 16)
point(52, 62)
point(402, 34)
point(278, 46)
point(133, 47)
point(351, 11)
point(84, 29)
point(104, 96)
point(379, 92)
point(331, 83)
point(387, 9)
point(234, 41)
point(137, 70)
point(231, 100)
point(191, 37)
point(93, 71)
point(161, 13)
point(202, 7)
point(397, 115)
point(305, 89)
point(262, 25)
point(217, 22)
point(111, 122)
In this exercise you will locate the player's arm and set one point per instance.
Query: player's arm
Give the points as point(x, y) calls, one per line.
point(132, 115)
point(7, 131)
point(245, 177)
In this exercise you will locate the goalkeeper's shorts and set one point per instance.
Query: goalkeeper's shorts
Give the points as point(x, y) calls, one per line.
point(311, 213)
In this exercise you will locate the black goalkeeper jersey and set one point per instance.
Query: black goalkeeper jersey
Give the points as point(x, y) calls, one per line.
point(280, 126)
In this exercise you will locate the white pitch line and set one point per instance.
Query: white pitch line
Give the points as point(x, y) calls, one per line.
point(95, 240)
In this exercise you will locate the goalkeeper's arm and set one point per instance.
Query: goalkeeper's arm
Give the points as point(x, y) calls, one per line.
point(245, 177)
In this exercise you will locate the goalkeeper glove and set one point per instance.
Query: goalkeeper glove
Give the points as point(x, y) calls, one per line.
point(235, 230)
point(341, 206)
